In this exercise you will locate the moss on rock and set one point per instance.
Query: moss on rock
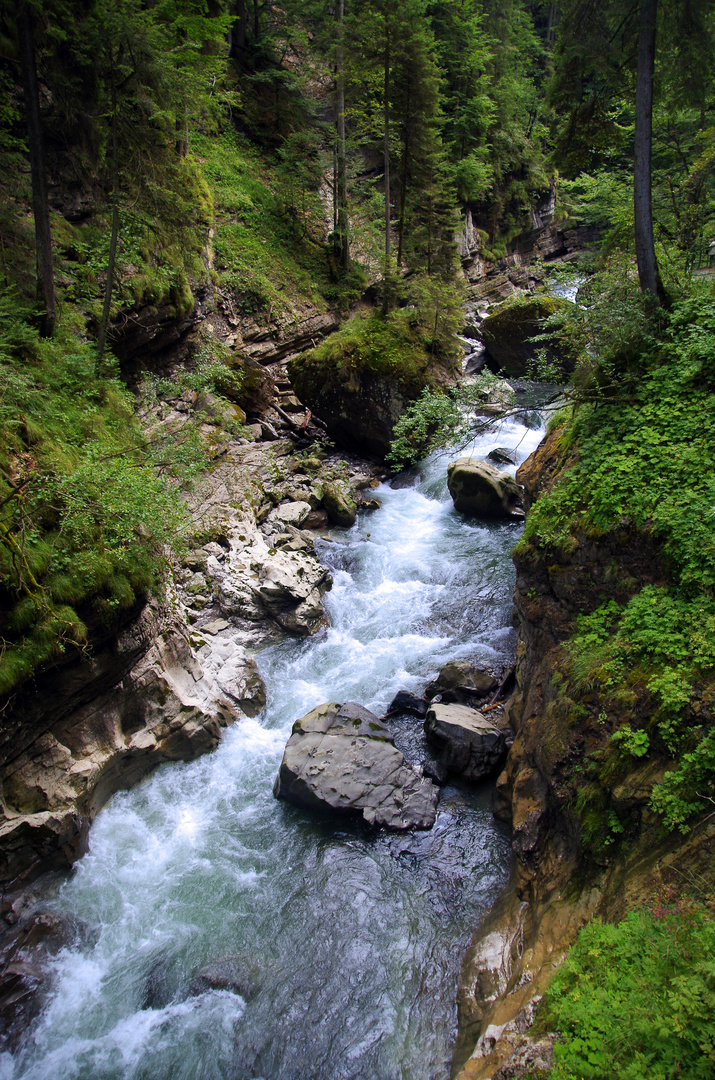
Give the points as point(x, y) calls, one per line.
point(508, 335)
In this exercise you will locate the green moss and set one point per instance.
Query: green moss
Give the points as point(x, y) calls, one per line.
point(369, 345)
point(83, 518)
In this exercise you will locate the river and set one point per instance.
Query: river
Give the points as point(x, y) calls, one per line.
point(351, 942)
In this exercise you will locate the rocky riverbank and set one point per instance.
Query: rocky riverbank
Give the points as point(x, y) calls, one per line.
point(556, 885)
point(182, 668)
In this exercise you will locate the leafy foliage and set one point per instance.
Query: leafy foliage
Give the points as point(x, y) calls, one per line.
point(645, 464)
point(634, 1001)
point(83, 518)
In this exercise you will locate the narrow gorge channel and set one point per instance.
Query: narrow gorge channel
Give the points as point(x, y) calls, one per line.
point(346, 944)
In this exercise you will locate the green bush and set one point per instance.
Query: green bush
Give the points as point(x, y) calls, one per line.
point(645, 463)
point(635, 1001)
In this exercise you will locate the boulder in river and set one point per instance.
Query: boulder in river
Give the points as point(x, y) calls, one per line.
point(405, 702)
point(501, 455)
point(480, 490)
point(461, 682)
point(234, 973)
point(341, 759)
point(509, 332)
point(468, 744)
point(339, 504)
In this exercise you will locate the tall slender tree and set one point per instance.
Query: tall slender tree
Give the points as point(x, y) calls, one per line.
point(648, 272)
point(342, 168)
point(45, 287)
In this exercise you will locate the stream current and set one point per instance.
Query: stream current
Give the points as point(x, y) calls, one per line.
point(351, 941)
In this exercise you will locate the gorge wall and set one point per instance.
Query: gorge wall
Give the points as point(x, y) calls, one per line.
point(557, 884)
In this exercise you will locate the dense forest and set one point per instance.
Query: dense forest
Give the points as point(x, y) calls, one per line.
point(162, 160)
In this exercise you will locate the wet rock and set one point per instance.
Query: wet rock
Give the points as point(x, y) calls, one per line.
point(435, 771)
point(290, 586)
point(405, 702)
point(468, 744)
point(369, 504)
point(460, 674)
point(408, 479)
point(339, 504)
point(234, 974)
point(500, 455)
point(165, 708)
point(480, 490)
point(341, 759)
point(316, 519)
point(240, 680)
point(25, 977)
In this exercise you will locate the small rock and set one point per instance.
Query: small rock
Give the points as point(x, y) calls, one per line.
point(405, 702)
point(340, 505)
point(215, 626)
point(435, 771)
point(502, 456)
point(292, 513)
point(231, 974)
point(316, 519)
point(370, 504)
point(461, 675)
point(360, 481)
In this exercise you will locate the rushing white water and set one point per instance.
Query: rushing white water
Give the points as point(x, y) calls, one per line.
point(351, 941)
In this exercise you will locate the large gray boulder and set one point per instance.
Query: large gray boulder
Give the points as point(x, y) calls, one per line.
point(467, 743)
point(480, 490)
point(341, 759)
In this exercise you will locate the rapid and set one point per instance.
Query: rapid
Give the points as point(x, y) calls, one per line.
point(351, 942)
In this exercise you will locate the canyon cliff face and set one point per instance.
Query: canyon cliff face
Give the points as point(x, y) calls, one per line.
point(100, 724)
point(556, 885)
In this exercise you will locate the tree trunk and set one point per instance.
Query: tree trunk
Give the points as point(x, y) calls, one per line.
point(403, 181)
point(648, 272)
point(237, 32)
point(386, 296)
point(102, 337)
point(40, 204)
point(550, 28)
point(342, 162)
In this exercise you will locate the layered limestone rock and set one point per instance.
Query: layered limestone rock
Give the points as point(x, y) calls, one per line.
point(341, 759)
point(255, 581)
point(467, 743)
point(480, 490)
point(169, 705)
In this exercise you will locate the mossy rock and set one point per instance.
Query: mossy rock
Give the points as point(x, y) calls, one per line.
point(361, 379)
point(339, 504)
point(507, 335)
